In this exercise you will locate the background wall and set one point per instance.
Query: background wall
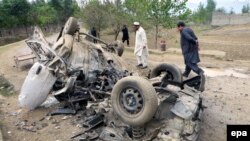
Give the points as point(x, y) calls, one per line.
point(220, 19)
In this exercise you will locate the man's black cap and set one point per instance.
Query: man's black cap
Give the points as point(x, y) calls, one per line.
point(180, 24)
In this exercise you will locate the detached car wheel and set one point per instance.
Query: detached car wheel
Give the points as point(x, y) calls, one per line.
point(172, 72)
point(70, 26)
point(134, 100)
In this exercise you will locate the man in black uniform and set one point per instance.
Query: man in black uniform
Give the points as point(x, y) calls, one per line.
point(190, 48)
point(125, 35)
point(93, 33)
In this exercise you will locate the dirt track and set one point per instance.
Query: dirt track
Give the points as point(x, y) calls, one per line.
point(227, 98)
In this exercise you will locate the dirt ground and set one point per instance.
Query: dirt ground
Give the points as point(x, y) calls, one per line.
point(226, 96)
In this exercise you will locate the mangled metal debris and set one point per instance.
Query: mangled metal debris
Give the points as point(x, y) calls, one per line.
point(116, 104)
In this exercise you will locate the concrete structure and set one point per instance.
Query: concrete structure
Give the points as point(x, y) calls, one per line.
point(220, 19)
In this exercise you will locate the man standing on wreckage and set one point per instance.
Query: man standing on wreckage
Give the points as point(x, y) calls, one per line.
point(141, 47)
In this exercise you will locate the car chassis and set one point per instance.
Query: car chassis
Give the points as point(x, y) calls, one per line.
point(78, 72)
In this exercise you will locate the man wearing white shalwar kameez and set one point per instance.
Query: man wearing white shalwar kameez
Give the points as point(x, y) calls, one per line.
point(141, 47)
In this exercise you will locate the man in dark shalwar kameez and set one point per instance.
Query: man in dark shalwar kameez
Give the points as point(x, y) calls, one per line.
point(125, 35)
point(190, 50)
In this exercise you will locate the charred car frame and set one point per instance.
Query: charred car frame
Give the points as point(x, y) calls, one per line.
point(160, 106)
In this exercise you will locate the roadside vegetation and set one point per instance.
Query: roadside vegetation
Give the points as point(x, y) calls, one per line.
point(111, 15)
point(108, 17)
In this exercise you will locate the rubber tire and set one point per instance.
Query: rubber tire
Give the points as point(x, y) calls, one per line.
point(70, 26)
point(119, 48)
point(149, 96)
point(173, 69)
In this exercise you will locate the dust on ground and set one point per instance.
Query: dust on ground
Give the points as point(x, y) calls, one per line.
point(227, 95)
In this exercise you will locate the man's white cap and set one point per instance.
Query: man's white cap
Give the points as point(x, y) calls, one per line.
point(136, 23)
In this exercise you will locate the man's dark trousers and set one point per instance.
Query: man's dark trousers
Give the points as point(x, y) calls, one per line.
point(192, 66)
point(190, 51)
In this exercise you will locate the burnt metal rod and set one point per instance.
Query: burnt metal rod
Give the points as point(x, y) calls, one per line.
point(100, 92)
point(95, 91)
point(92, 96)
point(82, 33)
point(167, 90)
point(80, 133)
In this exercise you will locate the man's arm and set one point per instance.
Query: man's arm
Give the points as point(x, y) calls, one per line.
point(188, 36)
point(196, 39)
point(144, 39)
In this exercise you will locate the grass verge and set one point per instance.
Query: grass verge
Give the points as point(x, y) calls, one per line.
point(6, 88)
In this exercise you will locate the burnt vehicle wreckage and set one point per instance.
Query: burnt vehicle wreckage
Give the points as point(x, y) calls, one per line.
point(118, 103)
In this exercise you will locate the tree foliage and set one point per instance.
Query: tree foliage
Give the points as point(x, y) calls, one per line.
point(44, 14)
point(200, 15)
point(165, 13)
point(137, 10)
point(221, 10)
point(245, 9)
point(157, 12)
point(203, 15)
point(117, 16)
point(102, 14)
point(14, 12)
point(231, 11)
point(211, 5)
point(38, 12)
point(95, 15)
point(114, 14)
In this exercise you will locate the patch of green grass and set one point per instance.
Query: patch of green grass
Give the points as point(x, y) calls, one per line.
point(7, 93)
point(6, 88)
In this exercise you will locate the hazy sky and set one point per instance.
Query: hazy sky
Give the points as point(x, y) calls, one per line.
point(227, 4)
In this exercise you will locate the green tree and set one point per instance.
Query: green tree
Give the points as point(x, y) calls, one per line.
point(58, 6)
point(200, 16)
point(95, 15)
point(65, 9)
point(116, 16)
point(203, 15)
point(15, 13)
point(245, 9)
point(46, 15)
point(165, 13)
point(42, 13)
point(232, 11)
point(76, 9)
point(210, 8)
point(157, 12)
point(137, 10)
point(6, 20)
point(221, 10)
point(70, 8)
